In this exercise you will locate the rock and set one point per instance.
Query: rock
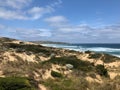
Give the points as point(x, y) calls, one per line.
point(69, 66)
point(52, 55)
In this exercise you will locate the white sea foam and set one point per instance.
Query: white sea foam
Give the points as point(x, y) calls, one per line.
point(113, 51)
point(104, 49)
point(116, 55)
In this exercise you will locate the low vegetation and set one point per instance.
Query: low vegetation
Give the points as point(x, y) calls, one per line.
point(101, 70)
point(95, 56)
point(27, 48)
point(19, 68)
point(109, 58)
point(80, 65)
point(15, 83)
point(67, 71)
point(80, 83)
point(67, 84)
point(77, 64)
point(106, 58)
point(56, 74)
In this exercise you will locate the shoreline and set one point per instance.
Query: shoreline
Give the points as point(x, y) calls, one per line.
point(76, 48)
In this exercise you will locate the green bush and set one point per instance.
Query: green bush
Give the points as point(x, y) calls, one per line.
point(56, 74)
point(88, 52)
point(28, 48)
point(105, 57)
point(66, 84)
point(15, 83)
point(101, 70)
point(95, 56)
point(109, 58)
point(77, 64)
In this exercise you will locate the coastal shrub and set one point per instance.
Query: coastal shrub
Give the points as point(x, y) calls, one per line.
point(5, 39)
point(95, 56)
point(101, 70)
point(109, 58)
point(81, 84)
point(66, 84)
point(105, 57)
point(113, 84)
point(77, 64)
point(73, 51)
point(56, 74)
point(29, 48)
point(20, 67)
point(15, 83)
point(88, 52)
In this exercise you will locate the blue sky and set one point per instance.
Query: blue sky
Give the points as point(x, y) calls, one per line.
point(76, 21)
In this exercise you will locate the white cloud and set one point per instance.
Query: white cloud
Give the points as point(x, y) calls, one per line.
point(15, 9)
point(32, 14)
point(32, 33)
point(78, 33)
point(56, 19)
point(75, 29)
point(9, 14)
point(37, 12)
point(57, 3)
point(16, 4)
point(24, 33)
point(66, 31)
point(62, 24)
point(44, 33)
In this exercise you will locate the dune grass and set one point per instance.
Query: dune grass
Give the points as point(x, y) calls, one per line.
point(77, 64)
point(15, 83)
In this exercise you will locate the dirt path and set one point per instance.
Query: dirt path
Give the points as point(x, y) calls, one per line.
point(42, 87)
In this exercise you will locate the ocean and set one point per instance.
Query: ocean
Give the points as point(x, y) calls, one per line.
point(113, 49)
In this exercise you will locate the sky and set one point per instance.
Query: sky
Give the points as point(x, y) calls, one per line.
point(73, 21)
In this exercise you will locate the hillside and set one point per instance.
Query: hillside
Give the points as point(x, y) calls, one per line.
point(31, 66)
